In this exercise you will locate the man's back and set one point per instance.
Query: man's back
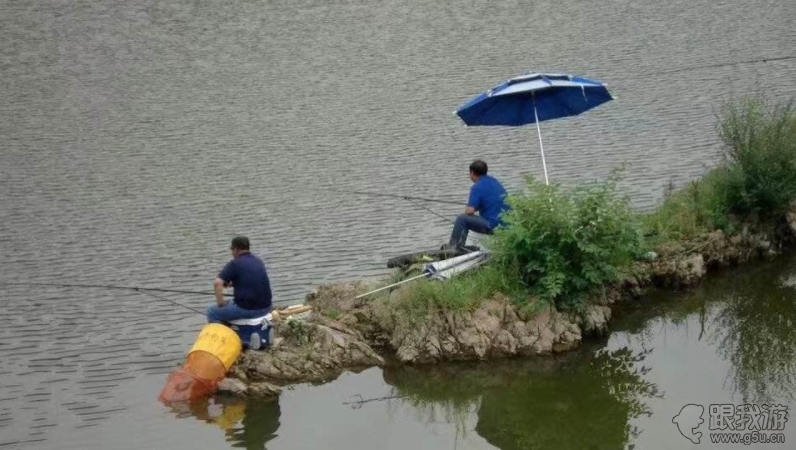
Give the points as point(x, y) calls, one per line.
point(488, 196)
point(248, 276)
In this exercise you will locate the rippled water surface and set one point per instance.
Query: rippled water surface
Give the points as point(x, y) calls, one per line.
point(137, 137)
point(730, 341)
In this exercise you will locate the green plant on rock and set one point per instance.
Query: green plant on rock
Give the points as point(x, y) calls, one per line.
point(297, 331)
point(332, 313)
point(699, 207)
point(564, 243)
point(464, 292)
point(759, 139)
point(757, 175)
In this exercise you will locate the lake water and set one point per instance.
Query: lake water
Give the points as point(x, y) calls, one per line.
point(730, 341)
point(136, 138)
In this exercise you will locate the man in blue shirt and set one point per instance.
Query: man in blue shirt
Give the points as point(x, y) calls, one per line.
point(487, 197)
point(246, 274)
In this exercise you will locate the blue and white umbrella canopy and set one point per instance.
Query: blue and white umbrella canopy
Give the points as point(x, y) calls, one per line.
point(534, 98)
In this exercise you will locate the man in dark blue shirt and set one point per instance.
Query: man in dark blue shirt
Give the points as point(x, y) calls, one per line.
point(246, 274)
point(488, 198)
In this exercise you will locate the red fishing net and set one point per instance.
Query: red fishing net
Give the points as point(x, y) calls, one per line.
point(199, 377)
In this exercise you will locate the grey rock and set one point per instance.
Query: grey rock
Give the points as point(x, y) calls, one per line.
point(233, 386)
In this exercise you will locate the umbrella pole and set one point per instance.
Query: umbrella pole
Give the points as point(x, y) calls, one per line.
point(539, 133)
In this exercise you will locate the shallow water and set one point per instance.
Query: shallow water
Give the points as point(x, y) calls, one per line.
point(137, 137)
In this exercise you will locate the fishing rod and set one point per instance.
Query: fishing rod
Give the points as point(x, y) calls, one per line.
point(404, 197)
point(129, 288)
point(111, 286)
point(711, 66)
point(391, 286)
point(431, 211)
point(172, 302)
point(411, 200)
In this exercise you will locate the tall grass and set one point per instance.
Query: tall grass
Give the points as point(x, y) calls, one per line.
point(757, 174)
point(699, 207)
point(467, 291)
point(759, 139)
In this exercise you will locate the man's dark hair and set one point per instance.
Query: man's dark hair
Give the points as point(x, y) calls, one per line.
point(240, 243)
point(478, 167)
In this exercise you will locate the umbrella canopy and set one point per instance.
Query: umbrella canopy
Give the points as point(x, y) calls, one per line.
point(534, 98)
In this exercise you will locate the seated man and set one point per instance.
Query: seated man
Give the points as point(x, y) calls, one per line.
point(246, 274)
point(487, 197)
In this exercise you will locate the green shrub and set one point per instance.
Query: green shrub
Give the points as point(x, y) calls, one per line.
point(466, 291)
point(760, 147)
point(758, 174)
point(700, 207)
point(563, 244)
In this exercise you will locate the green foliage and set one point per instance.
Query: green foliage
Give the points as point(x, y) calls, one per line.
point(466, 291)
point(758, 174)
point(332, 313)
point(297, 331)
point(760, 147)
point(699, 207)
point(563, 244)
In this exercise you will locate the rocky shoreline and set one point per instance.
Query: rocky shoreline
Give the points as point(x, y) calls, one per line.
point(366, 333)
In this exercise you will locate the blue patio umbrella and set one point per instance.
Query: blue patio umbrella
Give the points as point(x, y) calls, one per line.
point(534, 98)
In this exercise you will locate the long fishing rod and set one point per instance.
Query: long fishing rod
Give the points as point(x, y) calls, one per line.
point(129, 288)
point(411, 200)
point(111, 286)
point(711, 66)
point(172, 302)
point(141, 290)
point(466, 250)
point(431, 211)
point(405, 197)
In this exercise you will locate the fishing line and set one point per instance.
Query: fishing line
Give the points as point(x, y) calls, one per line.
point(110, 286)
point(172, 302)
point(466, 250)
point(412, 201)
point(431, 211)
point(710, 66)
point(405, 197)
point(147, 291)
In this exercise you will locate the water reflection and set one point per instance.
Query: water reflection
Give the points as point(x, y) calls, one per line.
point(538, 404)
point(755, 332)
point(731, 340)
point(753, 328)
point(748, 316)
point(247, 423)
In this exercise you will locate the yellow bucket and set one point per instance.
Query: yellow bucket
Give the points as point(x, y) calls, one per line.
point(221, 342)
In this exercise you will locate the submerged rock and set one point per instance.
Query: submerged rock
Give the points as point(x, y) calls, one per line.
point(235, 387)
